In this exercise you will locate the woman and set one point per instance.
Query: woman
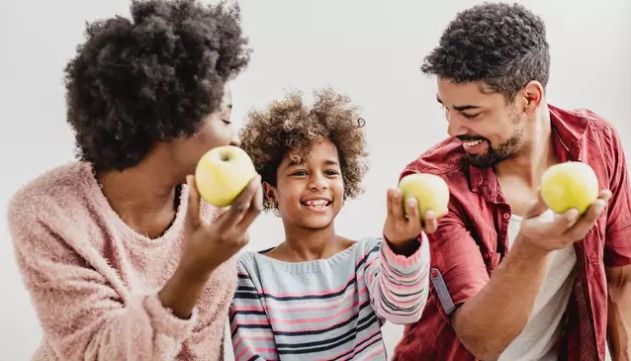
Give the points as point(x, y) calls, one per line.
point(121, 259)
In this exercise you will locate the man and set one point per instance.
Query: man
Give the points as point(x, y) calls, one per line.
point(511, 280)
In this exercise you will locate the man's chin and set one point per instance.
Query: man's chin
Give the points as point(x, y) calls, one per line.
point(478, 161)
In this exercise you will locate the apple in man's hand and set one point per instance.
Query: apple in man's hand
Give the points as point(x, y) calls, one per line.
point(431, 192)
point(222, 174)
point(569, 185)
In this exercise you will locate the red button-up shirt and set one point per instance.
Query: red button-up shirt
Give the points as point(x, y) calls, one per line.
point(472, 240)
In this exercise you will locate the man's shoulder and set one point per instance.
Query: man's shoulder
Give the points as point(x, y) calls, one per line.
point(582, 119)
point(444, 159)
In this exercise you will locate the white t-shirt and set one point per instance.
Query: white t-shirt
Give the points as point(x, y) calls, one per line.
point(538, 339)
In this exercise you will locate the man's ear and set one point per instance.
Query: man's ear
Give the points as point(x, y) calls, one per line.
point(531, 96)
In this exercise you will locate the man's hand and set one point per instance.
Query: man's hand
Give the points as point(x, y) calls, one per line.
point(546, 233)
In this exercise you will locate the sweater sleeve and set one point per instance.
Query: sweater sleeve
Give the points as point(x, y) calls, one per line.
point(83, 315)
point(398, 285)
point(252, 336)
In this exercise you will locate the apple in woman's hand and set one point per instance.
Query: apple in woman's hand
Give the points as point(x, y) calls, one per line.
point(222, 174)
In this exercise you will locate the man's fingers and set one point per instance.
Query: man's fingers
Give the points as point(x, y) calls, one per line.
point(569, 218)
point(536, 207)
point(587, 221)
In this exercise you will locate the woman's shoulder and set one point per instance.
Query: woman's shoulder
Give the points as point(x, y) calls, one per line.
point(59, 186)
point(55, 200)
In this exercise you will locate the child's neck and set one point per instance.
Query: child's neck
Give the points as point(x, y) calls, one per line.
point(307, 245)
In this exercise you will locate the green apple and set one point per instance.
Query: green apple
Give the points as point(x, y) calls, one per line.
point(569, 185)
point(430, 191)
point(222, 174)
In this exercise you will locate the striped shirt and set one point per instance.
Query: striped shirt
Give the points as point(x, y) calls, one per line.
point(329, 309)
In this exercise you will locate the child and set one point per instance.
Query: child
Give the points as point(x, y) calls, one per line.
point(319, 295)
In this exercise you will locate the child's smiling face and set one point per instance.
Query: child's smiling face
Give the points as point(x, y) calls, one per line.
point(309, 193)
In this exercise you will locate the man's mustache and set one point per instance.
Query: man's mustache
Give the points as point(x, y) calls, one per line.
point(468, 138)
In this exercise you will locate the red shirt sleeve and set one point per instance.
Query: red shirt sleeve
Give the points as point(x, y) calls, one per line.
point(618, 233)
point(458, 269)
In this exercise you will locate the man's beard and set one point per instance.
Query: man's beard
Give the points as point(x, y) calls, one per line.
point(493, 155)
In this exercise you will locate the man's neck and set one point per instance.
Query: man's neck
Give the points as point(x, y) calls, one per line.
point(536, 155)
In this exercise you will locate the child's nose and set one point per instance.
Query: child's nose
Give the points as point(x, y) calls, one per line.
point(318, 183)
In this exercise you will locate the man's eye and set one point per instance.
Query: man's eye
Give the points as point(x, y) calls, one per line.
point(470, 116)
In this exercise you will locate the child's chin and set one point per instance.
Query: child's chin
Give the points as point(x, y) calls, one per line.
point(317, 224)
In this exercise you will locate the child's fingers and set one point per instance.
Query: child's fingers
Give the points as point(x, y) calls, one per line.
point(604, 194)
point(394, 203)
point(430, 222)
point(411, 206)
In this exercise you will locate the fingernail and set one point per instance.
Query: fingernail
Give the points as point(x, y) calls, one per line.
point(411, 202)
point(599, 207)
point(572, 214)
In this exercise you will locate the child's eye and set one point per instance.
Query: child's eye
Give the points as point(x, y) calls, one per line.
point(299, 173)
point(331, 172)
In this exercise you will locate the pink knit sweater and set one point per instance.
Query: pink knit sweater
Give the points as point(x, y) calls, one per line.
point(94, 281)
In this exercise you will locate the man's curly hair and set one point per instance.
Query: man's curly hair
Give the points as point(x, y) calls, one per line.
point(502, 45)
point(152, 78)
point(288, 125)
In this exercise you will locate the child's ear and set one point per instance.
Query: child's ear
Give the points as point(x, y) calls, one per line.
point(269, 193)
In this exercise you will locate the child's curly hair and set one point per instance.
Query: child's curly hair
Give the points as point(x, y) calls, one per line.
point(289, 125)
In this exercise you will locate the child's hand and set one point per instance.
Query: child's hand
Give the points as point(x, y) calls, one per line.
point(209, 244)
point(402, 228)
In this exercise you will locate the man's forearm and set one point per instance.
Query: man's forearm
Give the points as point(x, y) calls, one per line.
point(487, 323)
point(619, 315)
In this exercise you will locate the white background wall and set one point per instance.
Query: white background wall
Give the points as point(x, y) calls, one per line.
point(370, 50)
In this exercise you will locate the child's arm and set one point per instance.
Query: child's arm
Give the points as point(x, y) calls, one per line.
point(398, 285)
point(397, 271)
point(252, 337)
